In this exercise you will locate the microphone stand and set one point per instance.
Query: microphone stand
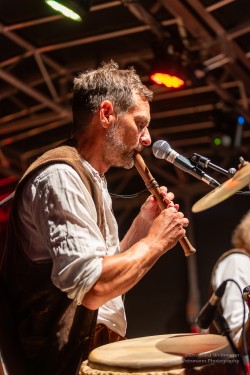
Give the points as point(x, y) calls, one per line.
point(204, 162)
point(224, 330)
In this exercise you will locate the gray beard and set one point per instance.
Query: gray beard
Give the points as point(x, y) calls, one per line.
point(116, 153)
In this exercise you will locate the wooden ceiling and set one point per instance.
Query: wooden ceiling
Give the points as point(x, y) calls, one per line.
point(41, 52)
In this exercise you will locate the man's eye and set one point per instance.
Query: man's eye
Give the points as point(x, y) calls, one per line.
point(141, 125)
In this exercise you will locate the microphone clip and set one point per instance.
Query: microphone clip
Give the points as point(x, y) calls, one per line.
point(206, 163)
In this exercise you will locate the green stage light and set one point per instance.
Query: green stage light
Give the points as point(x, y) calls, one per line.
point(73, 9)
point(217, 141)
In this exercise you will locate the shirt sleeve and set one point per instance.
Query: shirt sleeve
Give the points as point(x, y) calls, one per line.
point(236, 267)
point(63, 216)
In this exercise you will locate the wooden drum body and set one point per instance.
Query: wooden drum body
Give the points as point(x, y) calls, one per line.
point(173, 354)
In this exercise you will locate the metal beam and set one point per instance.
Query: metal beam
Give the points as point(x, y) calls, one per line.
point(12, 80)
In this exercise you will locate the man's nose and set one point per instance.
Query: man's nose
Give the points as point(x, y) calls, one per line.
point(145, 139)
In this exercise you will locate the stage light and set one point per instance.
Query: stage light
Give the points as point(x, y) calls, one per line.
point(241, 120)
point(167, 71)
point(221, 140)
point(217, 141)
point(167, 67)
point(229, 127)
point(73, 9)
point(166, 80)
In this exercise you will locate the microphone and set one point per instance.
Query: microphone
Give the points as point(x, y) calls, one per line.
point(246, 295)
point(208, 312)
point(162, 150)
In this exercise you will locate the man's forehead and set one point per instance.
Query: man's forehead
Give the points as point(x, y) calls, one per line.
point(140, 103)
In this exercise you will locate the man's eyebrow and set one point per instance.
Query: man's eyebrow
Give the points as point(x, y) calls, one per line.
point(143, 119)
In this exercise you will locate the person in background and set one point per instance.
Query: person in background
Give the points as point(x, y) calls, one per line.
point(234, 264)
point(64, 268)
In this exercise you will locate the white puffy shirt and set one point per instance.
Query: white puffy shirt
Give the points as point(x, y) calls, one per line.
point(235, 266)
point(58, 219)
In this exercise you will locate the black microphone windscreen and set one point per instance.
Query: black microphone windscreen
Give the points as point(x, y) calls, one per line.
point(206, 316)
point(221, 289)
point(208, 312)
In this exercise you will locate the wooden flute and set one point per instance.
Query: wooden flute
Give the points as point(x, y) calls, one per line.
point(154, 189)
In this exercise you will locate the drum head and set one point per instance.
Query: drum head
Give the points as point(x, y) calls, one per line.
point(158, 352)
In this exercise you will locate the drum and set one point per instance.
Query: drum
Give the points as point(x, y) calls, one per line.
point(164, 354)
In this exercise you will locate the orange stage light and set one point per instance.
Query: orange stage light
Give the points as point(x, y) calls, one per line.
point(167, 80)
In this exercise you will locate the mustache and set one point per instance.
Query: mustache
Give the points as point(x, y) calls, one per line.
point(138, 148)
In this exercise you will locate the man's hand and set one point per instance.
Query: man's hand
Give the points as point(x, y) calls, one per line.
point(146, 217)
point(168, 228)
point(150, 209)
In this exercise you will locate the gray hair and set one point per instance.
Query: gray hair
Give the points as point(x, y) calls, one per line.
point(241, 234)
point(107, 82)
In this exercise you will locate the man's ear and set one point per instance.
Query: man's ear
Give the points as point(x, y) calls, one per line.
point(106, 113)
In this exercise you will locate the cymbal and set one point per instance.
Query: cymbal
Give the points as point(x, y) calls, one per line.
point(239, 180)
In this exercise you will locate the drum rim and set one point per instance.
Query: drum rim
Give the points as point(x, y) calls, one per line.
point(95, 361)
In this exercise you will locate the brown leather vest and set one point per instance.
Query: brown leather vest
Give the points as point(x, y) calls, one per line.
point(55, 334)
